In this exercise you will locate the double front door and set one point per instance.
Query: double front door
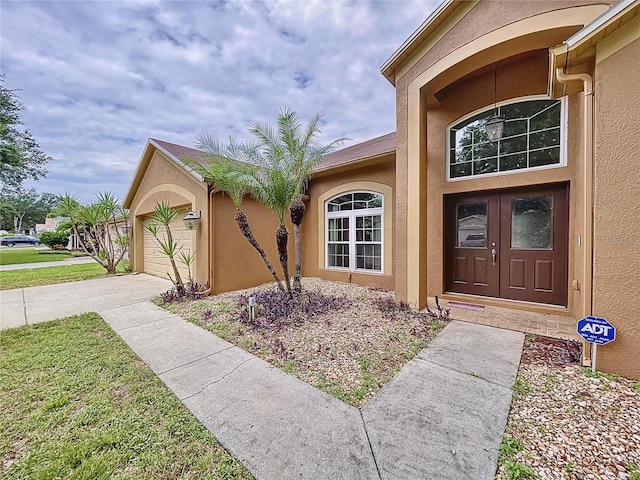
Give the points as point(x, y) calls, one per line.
point(510, 244)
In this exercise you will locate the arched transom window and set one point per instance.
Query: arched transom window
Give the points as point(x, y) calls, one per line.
point(354, 232)
point(532, 138)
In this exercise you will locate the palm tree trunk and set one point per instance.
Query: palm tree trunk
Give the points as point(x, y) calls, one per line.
point(297, 214)
point(243, 224)
point(282, 239)
point(297, 285)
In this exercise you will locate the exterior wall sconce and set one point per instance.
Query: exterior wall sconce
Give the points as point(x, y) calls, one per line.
point(191, 220)
point(126, 228)
point(494, 126)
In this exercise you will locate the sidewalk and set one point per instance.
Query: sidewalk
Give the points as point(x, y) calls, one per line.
point(441, 417)
point(57, 263)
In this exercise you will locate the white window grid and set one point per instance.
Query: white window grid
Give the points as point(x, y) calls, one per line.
point(351, 243)
point(488, 110)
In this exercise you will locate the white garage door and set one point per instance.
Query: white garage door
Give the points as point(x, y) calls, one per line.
point(155, 262)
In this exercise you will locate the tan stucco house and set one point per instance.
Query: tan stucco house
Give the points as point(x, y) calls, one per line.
point(544, 219)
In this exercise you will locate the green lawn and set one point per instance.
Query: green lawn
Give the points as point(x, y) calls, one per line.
point(77, 403)
point(32, 277)
point(12, 256)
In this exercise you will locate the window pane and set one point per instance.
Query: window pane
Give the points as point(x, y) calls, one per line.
point(485, 166)
point(545, 138)
point(460, 170)
point(514, 127)
point(532, 223)
point(513, 145)
point(338, 255)
point(547, 116)
point(530, 126)
point(369, 257)
point(548, 156)
point(472, 224)
point(513, 162)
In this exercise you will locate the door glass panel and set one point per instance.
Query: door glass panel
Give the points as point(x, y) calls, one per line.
point(532, 223)
point(471, 225)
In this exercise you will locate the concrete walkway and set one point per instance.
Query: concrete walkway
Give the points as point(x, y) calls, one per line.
point(441, 417)
point(25, 306)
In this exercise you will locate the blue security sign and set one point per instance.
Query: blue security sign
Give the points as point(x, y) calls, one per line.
point(596, 330)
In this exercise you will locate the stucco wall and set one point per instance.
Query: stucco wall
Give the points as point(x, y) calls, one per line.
point(236, 264)
point(162, 180)
point(313, 237)
point(617, 205)
point(505, 33)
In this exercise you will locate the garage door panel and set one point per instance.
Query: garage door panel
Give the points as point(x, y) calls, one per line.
point(154, 261)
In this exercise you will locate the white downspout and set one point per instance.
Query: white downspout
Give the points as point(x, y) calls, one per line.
point(589, 187)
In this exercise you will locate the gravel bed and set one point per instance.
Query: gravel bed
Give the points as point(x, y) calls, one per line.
point(349, 352)
point(572, 423)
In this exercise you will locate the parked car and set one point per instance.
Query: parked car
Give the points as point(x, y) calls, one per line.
point(474, 240)
point(12, 240)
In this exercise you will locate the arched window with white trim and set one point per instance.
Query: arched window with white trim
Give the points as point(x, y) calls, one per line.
point(354, 232)
point(533, 138)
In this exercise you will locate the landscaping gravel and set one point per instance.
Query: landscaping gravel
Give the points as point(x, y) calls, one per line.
point(573, 424)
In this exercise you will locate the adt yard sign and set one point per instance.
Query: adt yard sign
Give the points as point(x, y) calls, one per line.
point(596, 330)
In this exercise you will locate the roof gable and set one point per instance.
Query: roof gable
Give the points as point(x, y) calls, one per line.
point(177, 154)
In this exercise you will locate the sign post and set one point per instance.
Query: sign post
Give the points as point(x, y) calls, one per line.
point(597, 331)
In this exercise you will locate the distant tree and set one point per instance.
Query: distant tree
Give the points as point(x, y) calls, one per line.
point(20, 155)
point(95, 227)
point(21, 210)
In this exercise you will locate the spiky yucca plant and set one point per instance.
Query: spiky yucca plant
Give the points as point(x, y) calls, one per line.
point(164, 215)
point(91, 225)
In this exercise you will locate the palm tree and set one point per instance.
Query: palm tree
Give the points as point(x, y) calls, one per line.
point(93, 221)
point(231, 169)
point(294, 152)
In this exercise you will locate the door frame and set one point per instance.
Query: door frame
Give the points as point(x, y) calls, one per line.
point(481, 279)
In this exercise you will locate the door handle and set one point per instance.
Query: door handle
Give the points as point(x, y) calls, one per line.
point(494, 254)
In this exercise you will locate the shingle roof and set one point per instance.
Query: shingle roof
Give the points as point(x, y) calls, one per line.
point(369, 149)
point(373, 148)
point(180, 152)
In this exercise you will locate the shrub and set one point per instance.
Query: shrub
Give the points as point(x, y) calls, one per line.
point(274, 308)
point(190, 291)
point(55, 240)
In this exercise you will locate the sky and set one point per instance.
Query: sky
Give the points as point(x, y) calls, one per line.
point(98, 78)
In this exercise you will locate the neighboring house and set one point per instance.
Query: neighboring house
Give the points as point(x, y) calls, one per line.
point(554, 195)
point(50, 224)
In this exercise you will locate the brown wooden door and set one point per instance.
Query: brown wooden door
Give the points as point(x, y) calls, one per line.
point(509, 244)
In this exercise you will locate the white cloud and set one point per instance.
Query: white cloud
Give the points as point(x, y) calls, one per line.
point(100, 77)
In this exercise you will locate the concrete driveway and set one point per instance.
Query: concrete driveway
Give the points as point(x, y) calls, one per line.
point(25, 306)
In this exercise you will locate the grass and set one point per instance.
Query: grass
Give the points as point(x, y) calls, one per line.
point(77, 403)
point(507, 452)
point(32, 277)
point(13, 256)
